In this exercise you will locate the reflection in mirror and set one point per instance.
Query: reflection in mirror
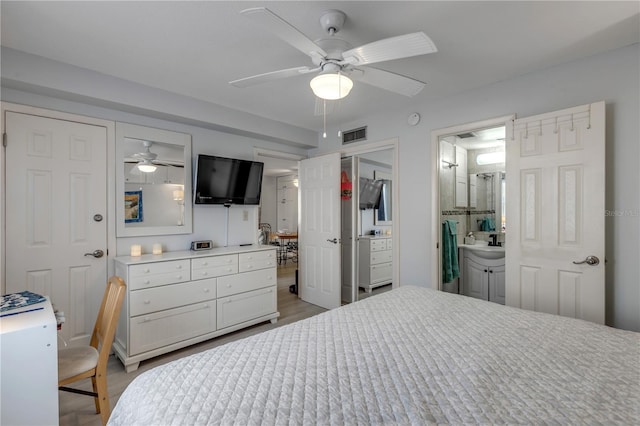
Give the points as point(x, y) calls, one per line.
point(382, 215)
point(471, 178)
point(153, 176)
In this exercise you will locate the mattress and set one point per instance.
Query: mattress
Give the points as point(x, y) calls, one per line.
point(408, 356)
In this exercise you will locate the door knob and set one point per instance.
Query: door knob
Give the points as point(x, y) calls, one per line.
point(590, 260)
point(96, 253)
point(334, 241)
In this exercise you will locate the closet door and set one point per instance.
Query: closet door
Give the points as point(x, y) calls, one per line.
point(56, 218)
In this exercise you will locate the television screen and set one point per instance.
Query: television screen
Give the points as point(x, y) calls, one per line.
point(220, 180)
point(370, 193)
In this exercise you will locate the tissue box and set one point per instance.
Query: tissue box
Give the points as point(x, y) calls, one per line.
point(469, 240)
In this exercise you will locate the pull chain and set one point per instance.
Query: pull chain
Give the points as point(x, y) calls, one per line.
point(324, 118)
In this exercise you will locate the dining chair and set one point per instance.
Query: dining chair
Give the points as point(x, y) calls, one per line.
point(85, 362)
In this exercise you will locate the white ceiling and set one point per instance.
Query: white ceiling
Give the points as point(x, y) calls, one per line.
point(195, 48)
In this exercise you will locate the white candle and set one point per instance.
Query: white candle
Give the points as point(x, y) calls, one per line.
point(136, 250)
point(157, 249)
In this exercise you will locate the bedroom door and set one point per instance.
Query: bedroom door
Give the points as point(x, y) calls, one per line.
point(555, 207)
point(56, 218)
point(319, 236)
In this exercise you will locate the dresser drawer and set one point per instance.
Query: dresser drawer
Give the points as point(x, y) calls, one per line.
point(146, 269)
point(214, 266)
point(381, 273)
point(380, 257)
point(246, 281)
point(171, 296)
point(378, 244)
point(164, 328)
point(243, 307)
point(158, 274)
point(257, 260)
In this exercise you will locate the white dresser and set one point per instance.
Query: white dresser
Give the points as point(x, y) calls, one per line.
point(375, 261)
point(177, 299)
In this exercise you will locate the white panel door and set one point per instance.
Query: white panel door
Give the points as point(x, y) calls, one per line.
point(318, 239)
point(555, 210)
point(56, 185)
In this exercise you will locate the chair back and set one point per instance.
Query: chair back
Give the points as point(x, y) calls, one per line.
point(104, 330)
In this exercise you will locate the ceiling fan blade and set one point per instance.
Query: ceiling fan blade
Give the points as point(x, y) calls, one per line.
point(391, 48)
point(284, 31)
point(390, 81)
point(270, 76)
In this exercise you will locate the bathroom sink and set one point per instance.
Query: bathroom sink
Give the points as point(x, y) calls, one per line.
point(485, 251)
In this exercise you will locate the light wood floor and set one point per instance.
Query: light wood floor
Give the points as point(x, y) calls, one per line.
point(80, 410)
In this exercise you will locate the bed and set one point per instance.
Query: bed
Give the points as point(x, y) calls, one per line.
point(408, 356)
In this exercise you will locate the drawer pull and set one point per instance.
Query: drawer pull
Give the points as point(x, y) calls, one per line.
point(178, 277)
point(146, 319)
point(205, 273)
point(147, 282)
point(249, 257)
point(206, 290)
point(146, 271)
point(228, 285)
point(179, 267)
point(147, 302)
point(249, 266)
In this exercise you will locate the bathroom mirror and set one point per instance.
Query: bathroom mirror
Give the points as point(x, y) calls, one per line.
point(153, 181)
point(382, 215)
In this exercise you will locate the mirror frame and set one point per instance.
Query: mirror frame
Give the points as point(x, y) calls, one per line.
point(378, 174)
point(126, 130)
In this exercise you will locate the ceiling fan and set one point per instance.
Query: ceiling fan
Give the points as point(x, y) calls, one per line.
point(146, 158)
point(335, 60)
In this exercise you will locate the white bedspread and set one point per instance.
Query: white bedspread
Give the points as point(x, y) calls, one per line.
point(409, 356)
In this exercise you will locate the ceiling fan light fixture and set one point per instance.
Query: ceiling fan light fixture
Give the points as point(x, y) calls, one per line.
point(331, 86)
point(146, 166)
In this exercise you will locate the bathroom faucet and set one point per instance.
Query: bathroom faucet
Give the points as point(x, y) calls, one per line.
point(494, 240)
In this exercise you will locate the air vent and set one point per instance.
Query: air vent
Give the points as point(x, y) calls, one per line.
point(355, 135)
point(466, 135)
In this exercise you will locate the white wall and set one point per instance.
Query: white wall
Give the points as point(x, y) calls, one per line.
point(209, 221)
point(268, 201)
point(613, 77)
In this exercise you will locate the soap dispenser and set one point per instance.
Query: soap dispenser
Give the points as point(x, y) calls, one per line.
point(470, 239)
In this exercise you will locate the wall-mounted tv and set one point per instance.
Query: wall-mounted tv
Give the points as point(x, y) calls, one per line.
point(370, 190)
point(220, 180)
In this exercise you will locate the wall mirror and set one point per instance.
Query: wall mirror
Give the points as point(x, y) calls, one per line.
point(153, 181)
point(382, 215)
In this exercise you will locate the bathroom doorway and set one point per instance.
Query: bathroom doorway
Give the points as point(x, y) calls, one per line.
point(469, 199)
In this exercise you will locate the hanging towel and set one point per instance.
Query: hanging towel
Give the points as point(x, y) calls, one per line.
point(487, 224)
point(450, 269)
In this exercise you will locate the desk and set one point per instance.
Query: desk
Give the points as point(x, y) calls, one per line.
point(29, 359)
point(287, 243)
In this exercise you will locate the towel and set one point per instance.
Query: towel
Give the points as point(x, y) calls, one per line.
point(488, 224)
point(450, 268)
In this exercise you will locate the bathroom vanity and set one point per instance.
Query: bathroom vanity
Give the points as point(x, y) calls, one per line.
point(482, 272)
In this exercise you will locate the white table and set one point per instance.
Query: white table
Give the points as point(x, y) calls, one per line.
point(29, 366)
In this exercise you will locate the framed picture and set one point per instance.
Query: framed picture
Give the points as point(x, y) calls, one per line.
point(132, 206)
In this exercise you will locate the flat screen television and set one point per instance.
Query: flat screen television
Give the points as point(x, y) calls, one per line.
point(220, 180)
point(370, 193)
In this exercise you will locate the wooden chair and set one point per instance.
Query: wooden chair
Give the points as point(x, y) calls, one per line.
point(85, 362)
